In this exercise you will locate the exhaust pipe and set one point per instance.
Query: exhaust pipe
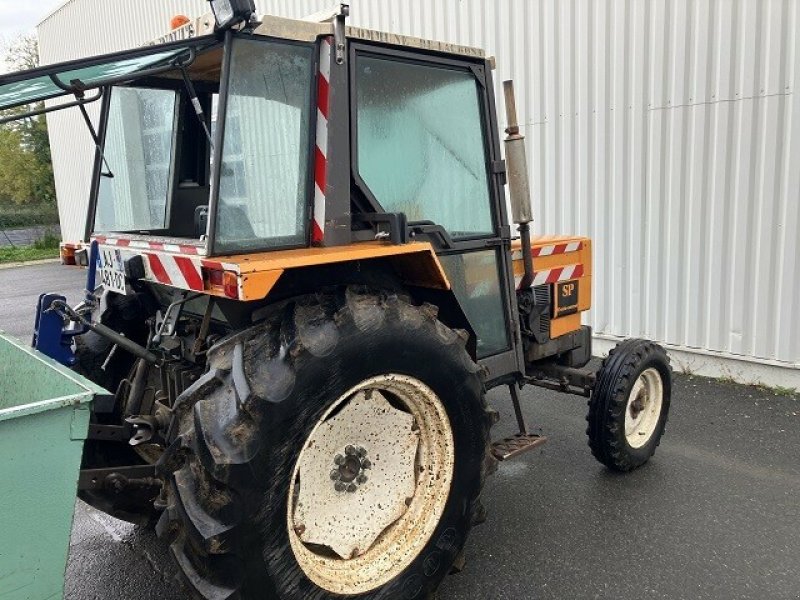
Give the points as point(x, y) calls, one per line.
point(518, 185)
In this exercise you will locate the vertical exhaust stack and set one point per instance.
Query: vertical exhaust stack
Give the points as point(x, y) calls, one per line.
point(518, 186)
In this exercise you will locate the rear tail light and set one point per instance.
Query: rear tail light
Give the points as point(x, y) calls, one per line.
point(221, 281)
point(67, 252)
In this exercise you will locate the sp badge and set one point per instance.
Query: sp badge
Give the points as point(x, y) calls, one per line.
point(566, 298)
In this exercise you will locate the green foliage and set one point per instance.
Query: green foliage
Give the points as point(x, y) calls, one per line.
point(779, 390)
point(49, 241)
point(46, 246)
point(12, 254)
point(27, 215)
point(26, 171)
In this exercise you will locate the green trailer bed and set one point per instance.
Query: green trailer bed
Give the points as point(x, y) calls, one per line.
point(44, 420)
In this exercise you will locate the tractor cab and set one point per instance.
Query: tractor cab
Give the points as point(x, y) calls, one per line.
point(222, 149)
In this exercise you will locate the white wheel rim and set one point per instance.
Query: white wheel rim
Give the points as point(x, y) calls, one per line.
point(371, 484)
point(643, 411)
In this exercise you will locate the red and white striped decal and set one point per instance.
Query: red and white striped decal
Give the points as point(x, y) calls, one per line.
point(557, 249)
point(321, 150)
point(176, 270)
point(554, 275)
point(551, 250)
point(143, 245)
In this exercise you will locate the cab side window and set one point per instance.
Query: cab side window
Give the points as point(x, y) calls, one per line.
point(420, 143)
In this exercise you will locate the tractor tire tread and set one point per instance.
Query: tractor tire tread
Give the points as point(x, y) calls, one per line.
point(209, 491)
point(609, 399)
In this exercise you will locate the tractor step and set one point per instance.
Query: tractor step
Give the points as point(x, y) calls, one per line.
point(516, 444)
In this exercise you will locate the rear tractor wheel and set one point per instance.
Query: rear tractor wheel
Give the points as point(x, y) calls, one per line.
point(629, 406)
point(337, 451)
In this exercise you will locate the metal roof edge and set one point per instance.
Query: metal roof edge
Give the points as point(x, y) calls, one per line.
point(294, 29)
point(53, 12)
point(398, 39)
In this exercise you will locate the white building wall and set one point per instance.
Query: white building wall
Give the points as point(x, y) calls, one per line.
point(667, 130)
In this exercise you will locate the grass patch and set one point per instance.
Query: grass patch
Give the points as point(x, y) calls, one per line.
point(47, 247)
point(780, 390)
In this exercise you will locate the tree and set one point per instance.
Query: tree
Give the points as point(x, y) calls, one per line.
point(16, 182)
point(22, 53)
point(26, 170)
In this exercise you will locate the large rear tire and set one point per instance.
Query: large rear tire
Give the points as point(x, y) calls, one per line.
point(249, 476)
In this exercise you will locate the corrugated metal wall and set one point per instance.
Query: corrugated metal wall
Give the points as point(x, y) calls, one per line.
point(667, 130)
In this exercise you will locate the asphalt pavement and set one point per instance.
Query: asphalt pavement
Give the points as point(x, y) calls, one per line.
point(715, 514)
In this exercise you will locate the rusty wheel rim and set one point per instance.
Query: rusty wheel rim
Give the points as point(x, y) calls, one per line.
point(371, 484)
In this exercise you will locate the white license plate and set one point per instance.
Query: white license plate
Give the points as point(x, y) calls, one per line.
point(112, 270)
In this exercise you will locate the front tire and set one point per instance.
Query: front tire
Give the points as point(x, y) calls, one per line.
point(281, 395)
point(629, 406)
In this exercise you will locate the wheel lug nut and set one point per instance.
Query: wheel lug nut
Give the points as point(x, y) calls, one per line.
point(350, 451)
point(362, 452)
point(366, 464)
point(339, 460)
point(340, 487)
point(352, 488)
point(335, 475)
point(362, 479)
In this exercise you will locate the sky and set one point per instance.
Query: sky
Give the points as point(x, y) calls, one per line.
point(20, 17)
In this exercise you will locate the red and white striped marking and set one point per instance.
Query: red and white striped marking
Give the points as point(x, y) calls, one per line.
point(144, 245)
point(178, 271)
point(170, 268)
point(550, 250)
point(321, 150)
point(184, 272)
point(553, 275)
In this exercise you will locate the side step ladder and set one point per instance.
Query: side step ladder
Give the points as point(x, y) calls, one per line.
point(522, 441)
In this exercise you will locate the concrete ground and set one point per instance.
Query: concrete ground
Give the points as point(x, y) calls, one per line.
point(715, 515)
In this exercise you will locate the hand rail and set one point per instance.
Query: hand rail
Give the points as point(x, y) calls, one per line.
point(49, 109)
point(78, 88)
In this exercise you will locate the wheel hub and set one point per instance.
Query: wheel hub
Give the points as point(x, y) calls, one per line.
point(644, 408)
point(638, 405)
point(349, 469)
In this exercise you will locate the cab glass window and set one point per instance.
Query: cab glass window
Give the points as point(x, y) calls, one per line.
point(476, 283)
point(136, 176)
point(265, 156)
point(421, 148)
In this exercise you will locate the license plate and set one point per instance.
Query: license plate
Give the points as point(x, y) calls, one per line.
point(112, 270)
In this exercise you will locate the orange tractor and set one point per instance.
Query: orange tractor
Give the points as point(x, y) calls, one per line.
point(302, 282)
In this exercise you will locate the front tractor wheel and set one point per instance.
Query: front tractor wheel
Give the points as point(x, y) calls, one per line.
point(629, 406)
point(339, 450)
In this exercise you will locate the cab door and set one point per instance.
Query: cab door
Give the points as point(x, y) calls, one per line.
point(423, 144)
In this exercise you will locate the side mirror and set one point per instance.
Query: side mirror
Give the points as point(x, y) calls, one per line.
point(516, 162)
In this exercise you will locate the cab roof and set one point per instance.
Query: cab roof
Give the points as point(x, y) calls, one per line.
point(172, 49)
